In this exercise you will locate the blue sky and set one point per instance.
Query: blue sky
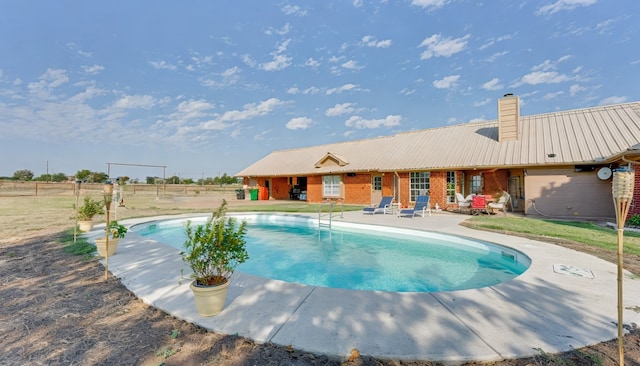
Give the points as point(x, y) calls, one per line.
point(208, 87)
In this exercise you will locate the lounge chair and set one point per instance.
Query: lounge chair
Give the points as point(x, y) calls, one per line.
point(501, 204)
point(421, 208)
point(383, 207)
point(464, 204)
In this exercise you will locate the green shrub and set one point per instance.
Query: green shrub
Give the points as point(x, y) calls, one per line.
point(634, 220)
point(89, 209)
point(215, 249)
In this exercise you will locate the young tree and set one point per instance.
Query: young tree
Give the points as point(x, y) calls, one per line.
point(57, 177)
point(23, 175)
point(83, 175)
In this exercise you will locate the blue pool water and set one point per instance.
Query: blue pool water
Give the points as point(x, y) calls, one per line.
point(362, 257)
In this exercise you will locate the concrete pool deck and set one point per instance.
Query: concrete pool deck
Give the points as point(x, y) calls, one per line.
point(540, 310)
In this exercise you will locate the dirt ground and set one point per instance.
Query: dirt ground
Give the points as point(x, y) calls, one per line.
point(57, 309)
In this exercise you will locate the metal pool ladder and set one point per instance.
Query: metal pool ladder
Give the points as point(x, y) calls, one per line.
point(332, 203)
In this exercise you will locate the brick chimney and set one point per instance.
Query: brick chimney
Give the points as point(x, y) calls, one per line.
point(508, 118)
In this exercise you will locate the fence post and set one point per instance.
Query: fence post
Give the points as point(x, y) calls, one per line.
point(36, 189)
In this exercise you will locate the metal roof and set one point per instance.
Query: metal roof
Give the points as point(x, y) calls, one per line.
point(582, 136)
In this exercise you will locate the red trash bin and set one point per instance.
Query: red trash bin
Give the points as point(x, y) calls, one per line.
point(264, 193)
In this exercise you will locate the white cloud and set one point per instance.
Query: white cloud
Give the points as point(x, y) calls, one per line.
point(439, 47)
point(541, 77)
point(55, 77)
point(192, 109)
point(371, 41)
point(553, 95)
point(299, 123)
point(293, 90)
point(261, 135)
point(493, 84)
point(92, 69)
point(215, 124)
point(162, 65)
point(407, 91)
point(360, 123)
point(357, 3)
point(201, 60)
point(352, 65)
point(550, 65)
point(51, 79)
point(613, 100)
point(312, 63)
point(447, 82)
point(231, 72)
point(341, 89)
point(492, 41)
point(252, 110)
point(249, 61)
point(76, 48)
point(198, 109)
point(293, 10)
point(575, 89)
point(281, 32)
point(561, 5)
point(430, 4)
point(311, 90)
point(279, 61)
point(495, 56)
point(482, 102)
point(340, 109)
point(90, 91)
point(135, 101)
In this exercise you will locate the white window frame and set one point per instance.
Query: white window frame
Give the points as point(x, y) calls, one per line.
point(452, 180)
point(376, 183)
point(331, 185)
point(419, 184)
point(476, 184)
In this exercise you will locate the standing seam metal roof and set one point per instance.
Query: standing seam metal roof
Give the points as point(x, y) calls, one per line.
point(582, 136)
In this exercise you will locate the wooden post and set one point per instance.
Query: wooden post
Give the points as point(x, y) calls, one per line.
point(622, 192)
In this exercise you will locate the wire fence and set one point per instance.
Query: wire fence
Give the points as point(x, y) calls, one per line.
point(14, 188)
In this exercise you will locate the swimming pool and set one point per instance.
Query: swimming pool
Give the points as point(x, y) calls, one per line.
point(293, 248)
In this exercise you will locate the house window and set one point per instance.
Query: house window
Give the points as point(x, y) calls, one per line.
point(331, 186)
point(476, 184)
point(419, 184)
point(451, 187)
point(377, 183)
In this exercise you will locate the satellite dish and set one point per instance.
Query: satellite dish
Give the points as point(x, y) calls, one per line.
point(604, 173)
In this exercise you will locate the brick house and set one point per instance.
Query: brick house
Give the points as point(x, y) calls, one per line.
point(556, 164)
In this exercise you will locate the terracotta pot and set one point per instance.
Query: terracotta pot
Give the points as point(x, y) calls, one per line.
point(101, 245)
point(209, 299)
point(85, 225)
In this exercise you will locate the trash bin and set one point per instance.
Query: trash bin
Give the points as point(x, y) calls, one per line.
point(240, 194)
point(254, 194)
point(264, 193)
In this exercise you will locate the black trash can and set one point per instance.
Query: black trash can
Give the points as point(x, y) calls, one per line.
point(240, 194)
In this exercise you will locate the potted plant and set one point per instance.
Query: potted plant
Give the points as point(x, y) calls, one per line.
point(213, 251)
point(116, 231)
point(87, 211)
